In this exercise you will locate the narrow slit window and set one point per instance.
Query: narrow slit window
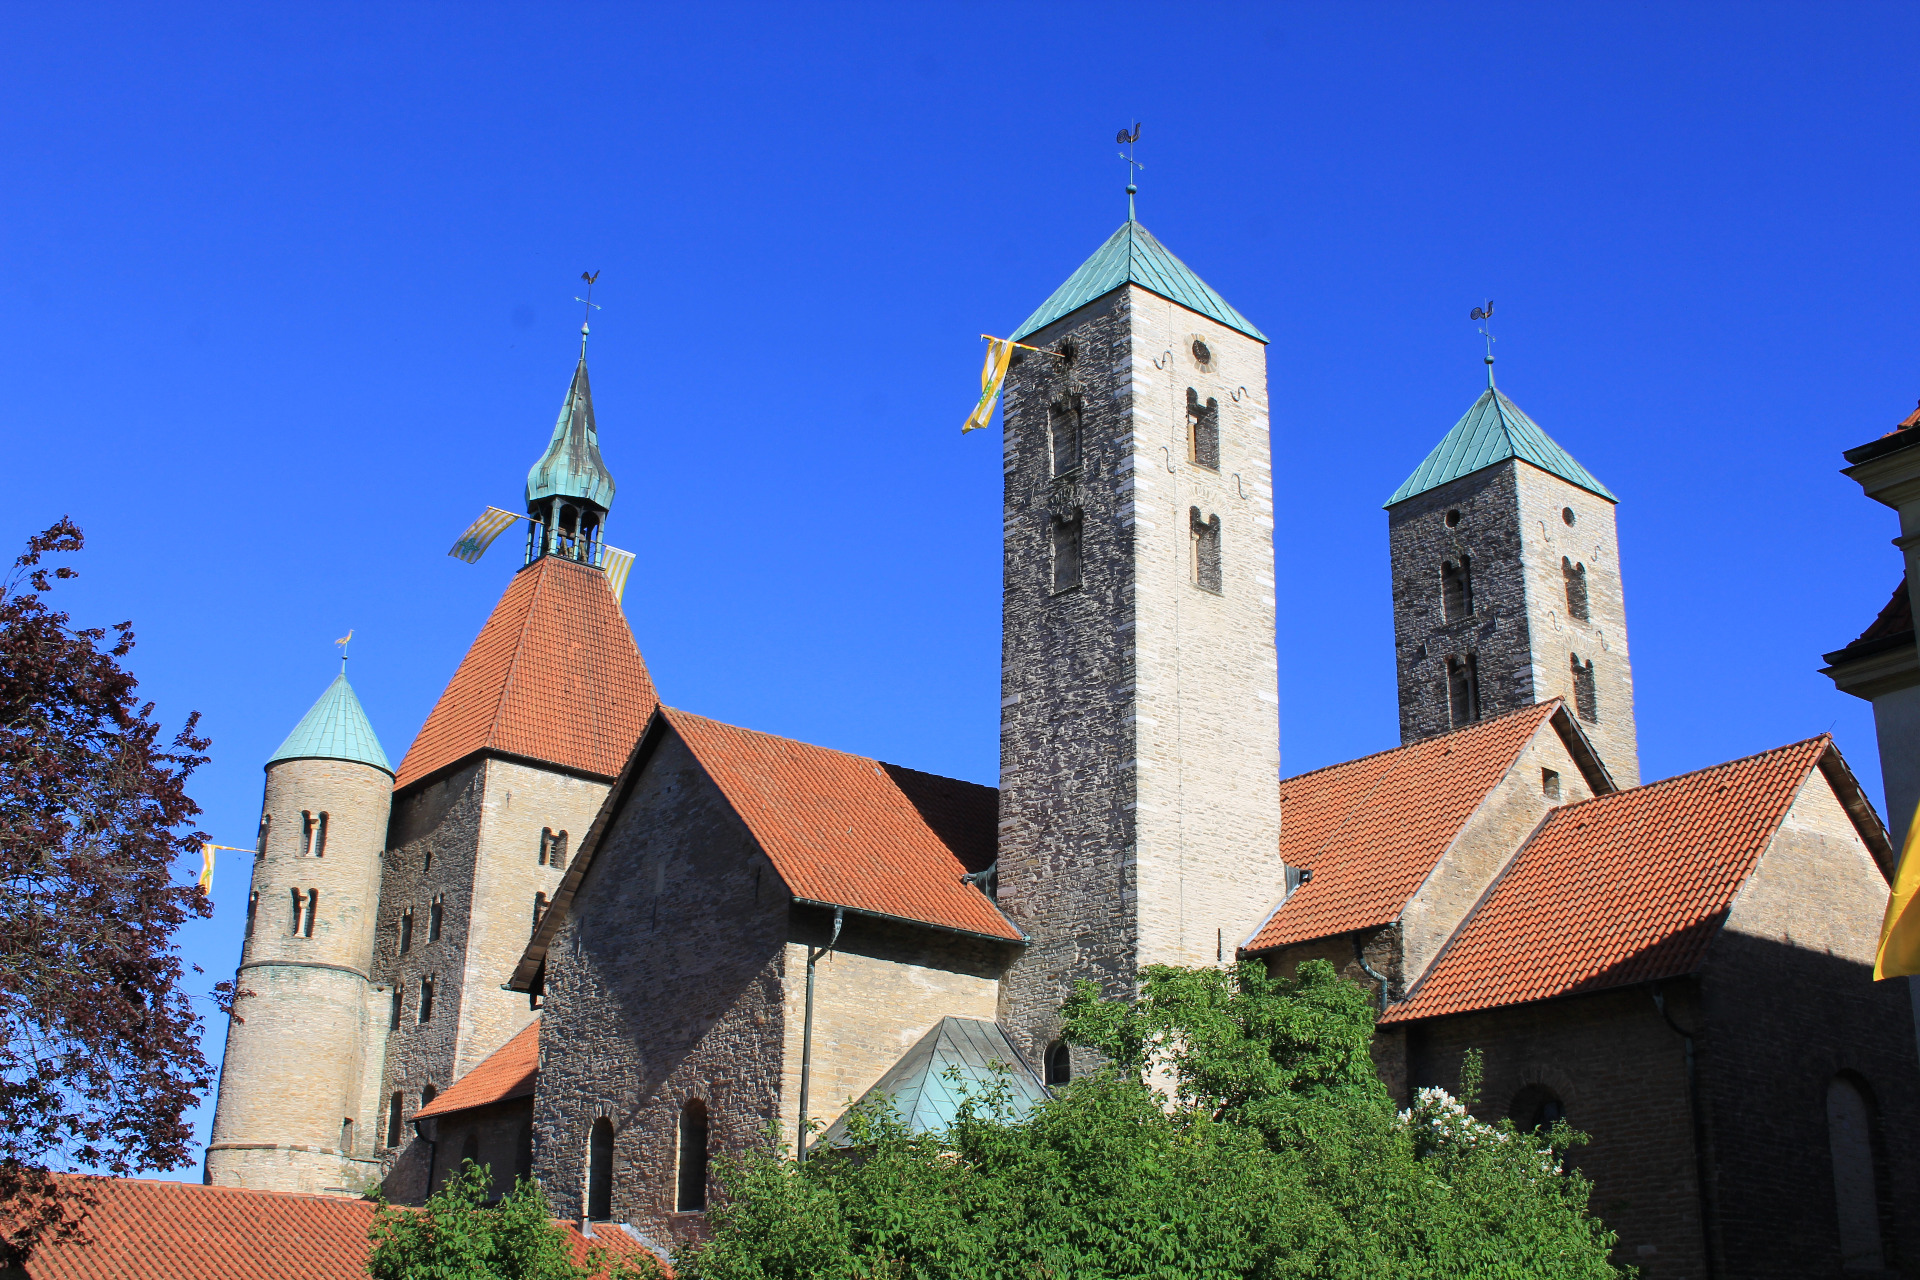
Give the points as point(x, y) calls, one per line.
point(433, 918)
point(600, 1170)
point(1550, 783)
point(546, 845)
point(1206, 551)
point(1063, 435)
point(1066, 552)
point(1586, 701)
point(406, 931)
point(346, 1135)
point(1456, 588)
point(313, 909)
point(1463, 689)
point(299, 901)
point(253, 909)
point(539, 909)
point(393, 1017)
point(692, 1188)
point(306, 834)
point(320, 836)
point(557, 854)
point(266, 829)
point(426, 999)
point(1576, 576)
point(1203, 430)
point(1850, 1142)
point(396, 1106)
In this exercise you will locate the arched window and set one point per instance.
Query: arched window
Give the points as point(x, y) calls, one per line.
point(266, 829)
point(1856, 1194)
point(1456, 588)
point(406, 931)
point(546, 844)
point(1536, 1108)
point(427, 1095)
point(313, 909)
point(1206, 550)
point(1463, 689)
point(692, 1193)
point(299, 901)
point(306, 833)
point(394, 1023)
point(539, 909)
point(1586, 701)
point(1203, 430)
point(433, 918)
point(426, 999)
point(600, 1170)
point(1063, 435)
point(395, 1105)
point(253, 909)
point(320, 836)
point(1059, 1063)
point(1576, 576)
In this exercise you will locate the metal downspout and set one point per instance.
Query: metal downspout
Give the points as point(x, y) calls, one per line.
point(1699, 1132)
point(1359, 954)
point(806, 1034)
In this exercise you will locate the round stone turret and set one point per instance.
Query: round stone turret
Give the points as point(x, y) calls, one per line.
point(298, 1107)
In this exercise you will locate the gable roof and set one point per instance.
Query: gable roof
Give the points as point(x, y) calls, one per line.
point(507, 1073)
point(1493, 430)
point(1372, 829)
point(554, 676)
point(1131, 255)
point(1625, 888)
point(841, 830)
point(334, 728)
point(138, 1229)
point(960, 1056)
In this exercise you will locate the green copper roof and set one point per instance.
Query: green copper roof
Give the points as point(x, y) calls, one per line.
point(921, 1085)
point(1493, 431)
point(571, 466)
point(1132, 254)
point(335, 728)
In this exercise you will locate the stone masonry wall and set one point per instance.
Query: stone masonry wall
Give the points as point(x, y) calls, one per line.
point(883, 987)
point(1592, 541)
point(499, 1138)
point(1790, 1003)
point(1140, 711)
point(296, 1050)
point(665, 983)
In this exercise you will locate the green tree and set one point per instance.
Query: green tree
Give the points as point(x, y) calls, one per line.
point(459, 1236)
point(1239, 1130)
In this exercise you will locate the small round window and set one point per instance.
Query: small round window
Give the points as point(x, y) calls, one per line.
point(1453, 518)
point(1566, 515)
point(1202, 353)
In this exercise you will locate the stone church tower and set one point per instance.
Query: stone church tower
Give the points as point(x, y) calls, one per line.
point(1140, 741)
point(1506, 585)
point(303, 1055)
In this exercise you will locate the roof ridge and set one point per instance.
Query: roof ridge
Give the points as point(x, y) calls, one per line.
point(1421, 742)
point(1826, 738)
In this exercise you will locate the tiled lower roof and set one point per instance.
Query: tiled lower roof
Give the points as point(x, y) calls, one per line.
point(1372, 829)
point(1617, 890)
point(149, 1230)
point(554, 676)
point(507, 1073)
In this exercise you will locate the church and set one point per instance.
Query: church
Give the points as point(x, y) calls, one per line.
point(583, 935)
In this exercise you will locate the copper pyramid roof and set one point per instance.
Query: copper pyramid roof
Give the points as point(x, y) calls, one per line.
point(554, 677)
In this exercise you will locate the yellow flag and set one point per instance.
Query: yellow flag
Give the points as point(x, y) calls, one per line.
point(206, 868)
point(992, 374)
point(1899, 954)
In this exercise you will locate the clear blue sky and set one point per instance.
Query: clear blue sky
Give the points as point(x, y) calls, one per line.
point(285, 299)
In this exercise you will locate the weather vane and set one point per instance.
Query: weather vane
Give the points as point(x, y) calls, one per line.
point(590, 305)
point(1485, 316)
point(1127, 140)
point(343, 641)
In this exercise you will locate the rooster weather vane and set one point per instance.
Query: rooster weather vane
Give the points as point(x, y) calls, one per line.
point(1485, 316)
point(1127, 140)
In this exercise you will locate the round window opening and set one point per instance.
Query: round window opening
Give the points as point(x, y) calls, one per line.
point(1566, 514)
point(1202, 354)
point(1453, 518)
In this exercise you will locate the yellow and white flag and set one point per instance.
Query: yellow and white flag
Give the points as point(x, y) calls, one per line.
point(616, 564)
point(1899, 954)
point(206, 868)
point(480, 534)
point(992, 374)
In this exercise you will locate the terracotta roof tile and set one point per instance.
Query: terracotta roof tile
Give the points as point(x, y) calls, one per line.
point(845, 830)
point(1620, 889)
point(554, 676)
point(506, 1073)
point(1372, 829)
point(147, 1230)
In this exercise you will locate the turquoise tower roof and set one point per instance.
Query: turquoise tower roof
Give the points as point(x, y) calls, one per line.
point(334, 728)
point(1132, 255)
point(1493, 431)
point(571, 466)
point(924, 1094)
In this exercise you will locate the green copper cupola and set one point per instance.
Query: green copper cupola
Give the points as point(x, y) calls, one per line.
point(569, 489)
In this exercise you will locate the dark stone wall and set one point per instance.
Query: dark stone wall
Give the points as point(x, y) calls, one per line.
point(499, 1138)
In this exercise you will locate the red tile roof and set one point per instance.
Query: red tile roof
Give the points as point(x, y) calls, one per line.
point(841, 829)
point(1617, 890)
point(145, 1230)
point(1372, 829)
point(554, 676)
point(505, 1074)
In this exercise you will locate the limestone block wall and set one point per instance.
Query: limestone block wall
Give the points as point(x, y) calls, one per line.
point(295, 1060)
point(883, 987)
point(1140, 707)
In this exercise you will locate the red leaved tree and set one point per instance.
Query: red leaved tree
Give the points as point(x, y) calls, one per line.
point(99, 1041)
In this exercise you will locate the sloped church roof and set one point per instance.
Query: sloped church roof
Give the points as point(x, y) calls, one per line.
point(1493, 430)
point(1131, 255)
point(334, 728)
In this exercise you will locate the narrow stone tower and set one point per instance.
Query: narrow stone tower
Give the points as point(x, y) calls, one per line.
point(299, 1082)
point(1506, 585)
point(1140, 739)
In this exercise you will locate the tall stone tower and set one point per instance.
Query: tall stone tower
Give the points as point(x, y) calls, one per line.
point(498, 789)
point(1140, 740)
point(302, 1068)
point(1506, 585)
